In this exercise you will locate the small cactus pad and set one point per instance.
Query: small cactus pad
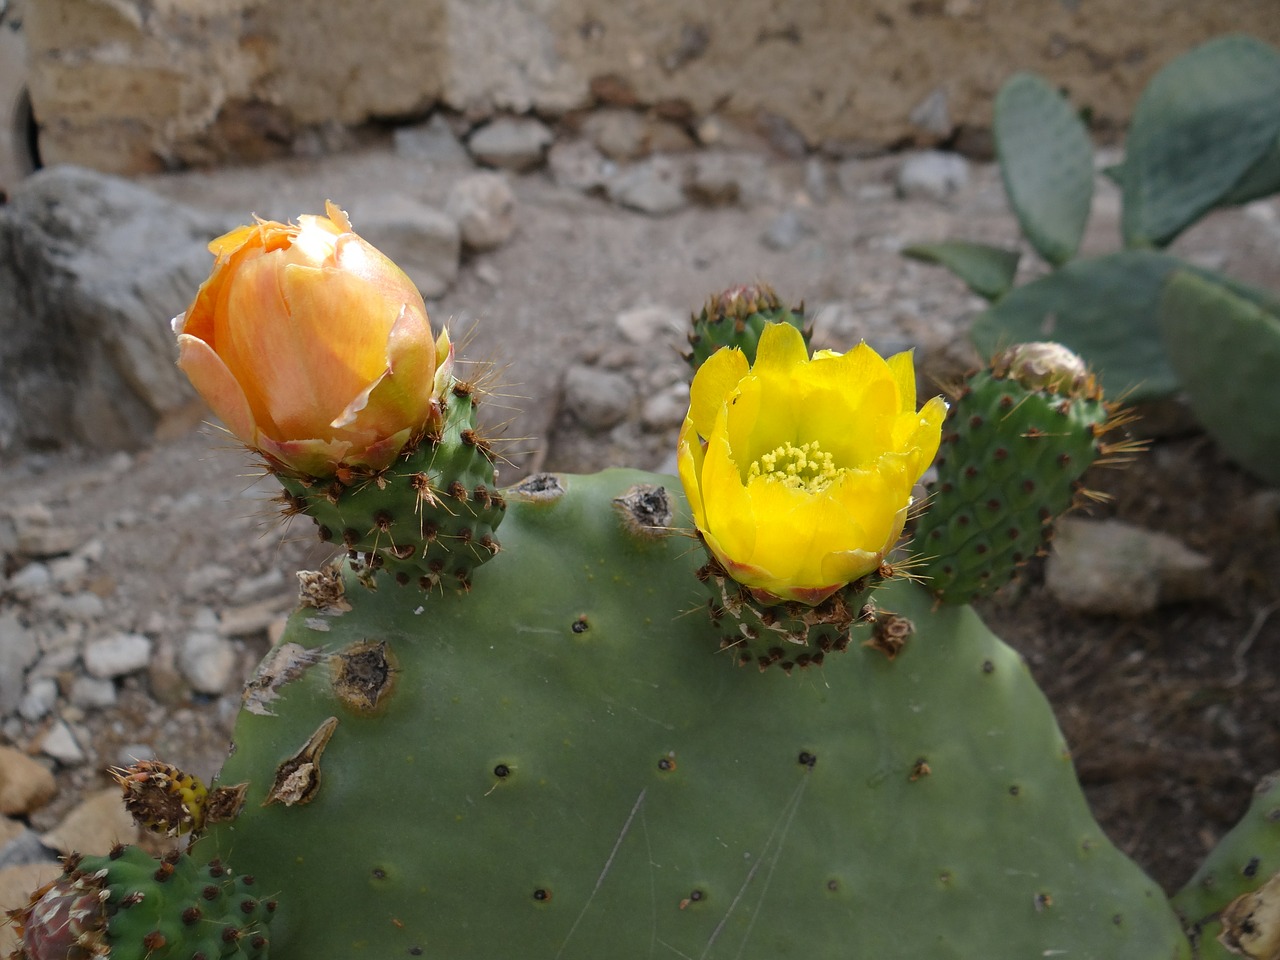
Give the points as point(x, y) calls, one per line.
point(1231, 907)
point(1015, 444)
point(559, 766)
point(736, 318)
point(429, 519)
point(130, 906)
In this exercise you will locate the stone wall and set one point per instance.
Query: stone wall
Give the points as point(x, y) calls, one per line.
point(137, 85)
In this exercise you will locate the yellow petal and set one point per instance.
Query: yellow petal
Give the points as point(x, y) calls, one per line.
point(712, 385)
point(780, 350)
point(904, 373)
point(689, 459)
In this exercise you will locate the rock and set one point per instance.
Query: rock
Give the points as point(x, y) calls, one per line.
point(39, 699)
point(577, 165)
point(60, 743)
point(206, 579)
point(647, 325)
point(932, 175)
point(931, 115)
point(67, 572)
point(207, 662)
point(597, 399)
point(666, 409)
point(511, 143)
point(484, 207)
point(433, 141)
point(92, 693)
point(247, 591)
point(423, 241)
point(654, 186)
point(117, 655)
point(1112, 567)
point(627, 135)
point(42, 542)
point(25, 785)
point(16, 885)
point(786, 230)
point(94, 269)
point(719, 177)
point(22, 848)
point(84, 606)
point(94, 825)
point(30, 581)
point(254, 618)
point(19, 649)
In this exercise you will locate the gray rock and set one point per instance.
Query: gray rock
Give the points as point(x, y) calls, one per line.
point(1111, 567)
point(511, 143)
point(433, 141)
point(25, 848)
point(30, 581)
point(617, 133)
point(246, 591)
point(95, 267)
point(60, 743)
point(92, 693)
point(117, 655)
point(484, 207)
point(932, 175)
point(424, 241)
point(207, 662)
point(39, 699)
point(666, 409)
point(68, 572)
point(650, 324)
point(721, 177)
point(206, 579)
point(597, 399)
point(84, 606)
point(577, 165)
point(786, 230)
point(654, 186)
point(18, 651)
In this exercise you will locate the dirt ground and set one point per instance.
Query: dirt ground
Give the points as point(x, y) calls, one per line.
point(1172, 718)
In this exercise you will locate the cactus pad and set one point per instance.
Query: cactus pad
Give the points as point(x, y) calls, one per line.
point(130, 906)
point(736, 318)
point(565, 769)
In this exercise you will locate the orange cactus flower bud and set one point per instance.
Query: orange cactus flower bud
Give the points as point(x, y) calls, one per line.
point(312, 346)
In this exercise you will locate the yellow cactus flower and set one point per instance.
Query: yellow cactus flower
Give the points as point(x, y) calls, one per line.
point(799, 471)
point(312, 346)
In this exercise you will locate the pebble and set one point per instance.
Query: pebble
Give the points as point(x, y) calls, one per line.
point(207, 662)
point(617, 133)
point(59, 742)
point(719, 177)
point(85, 606)
point(786, 230)
point(654, 186)
point(577, 165)
point(645, 325)
point(203, 580)
point(93, 693)
point(511, 143)
point(1111, 567)
point(484, 207)
point(433, 141)
point(254, 588)
point(932, 175)
point(39, 699)
point(67, 572)
point(31, 581)
point(117, 655)
point(20, 845)
point(94, 825)
point(666, 409)
point(25, 785)
point(45, 542)
point(249, 620)
point(19, 650)
point(597, 399)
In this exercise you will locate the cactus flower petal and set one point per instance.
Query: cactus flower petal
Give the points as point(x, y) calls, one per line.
point(799, 471)
point(326, 341)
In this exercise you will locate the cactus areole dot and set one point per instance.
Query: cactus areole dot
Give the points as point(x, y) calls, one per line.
point(799, 470)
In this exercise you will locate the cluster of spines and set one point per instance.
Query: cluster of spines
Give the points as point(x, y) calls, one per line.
point(735, 318)
point(1016, 443)
point(129, 905)
point(785, 634)
point(427, 520)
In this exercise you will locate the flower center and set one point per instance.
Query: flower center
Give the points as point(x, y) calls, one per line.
point(805, 467)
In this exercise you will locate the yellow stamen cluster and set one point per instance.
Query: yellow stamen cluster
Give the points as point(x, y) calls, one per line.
point(805, 467)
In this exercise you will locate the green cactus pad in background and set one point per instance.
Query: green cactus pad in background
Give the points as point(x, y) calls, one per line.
point(1239, 869)
point(736, 318)
point(1200, 126)
point(988, 271)
point(560, 765)
point(130, 906)
point(1226, 351)
point(1016, 442)
point(1046, 161)
point(427, 520)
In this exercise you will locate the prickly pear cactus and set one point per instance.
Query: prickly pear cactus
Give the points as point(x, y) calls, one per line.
point(736, 318)
point(129, 905)
point(1017, 440)
point(567, 769)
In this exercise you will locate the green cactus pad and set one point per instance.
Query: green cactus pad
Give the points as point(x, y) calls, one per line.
point(427, 520)
point(988, 271)
point(1240, 866)
point(736, 318)
point(129, 905)
point(1011, 457)
point(560, 767)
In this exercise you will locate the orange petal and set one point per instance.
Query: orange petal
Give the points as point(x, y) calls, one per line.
point(215, 383)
